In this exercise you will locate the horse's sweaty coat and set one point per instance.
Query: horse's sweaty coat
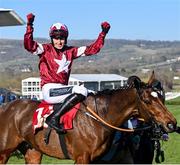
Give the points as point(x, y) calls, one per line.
point(89, 139)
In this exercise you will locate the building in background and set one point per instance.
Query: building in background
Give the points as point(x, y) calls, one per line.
point(98, 82)
point(31, 86)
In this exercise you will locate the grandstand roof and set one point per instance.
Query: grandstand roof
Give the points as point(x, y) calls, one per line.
point(97, 77)
point(88, 77)
point(9, 17)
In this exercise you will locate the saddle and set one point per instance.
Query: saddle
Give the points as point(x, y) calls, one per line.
point(44, 110)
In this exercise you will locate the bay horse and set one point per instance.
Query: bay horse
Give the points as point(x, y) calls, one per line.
point(140, 146)
point(89, 138)
point(137, 147)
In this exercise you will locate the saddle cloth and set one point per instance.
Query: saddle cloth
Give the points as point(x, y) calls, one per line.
point(45, 109)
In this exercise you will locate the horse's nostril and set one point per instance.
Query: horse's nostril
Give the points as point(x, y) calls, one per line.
point(170, 126)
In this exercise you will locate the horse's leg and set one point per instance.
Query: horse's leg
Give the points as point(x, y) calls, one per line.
point(33, 156)
point(83, 159)
point(7, 146)
point(4, 156)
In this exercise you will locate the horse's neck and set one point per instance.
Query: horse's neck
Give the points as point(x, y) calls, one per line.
point(116, 107)
point(123, 103)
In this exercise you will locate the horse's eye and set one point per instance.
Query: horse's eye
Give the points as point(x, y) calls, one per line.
point(154, 94)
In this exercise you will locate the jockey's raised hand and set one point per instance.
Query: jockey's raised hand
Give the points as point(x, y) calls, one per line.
point(105, 27)
point(30, 18)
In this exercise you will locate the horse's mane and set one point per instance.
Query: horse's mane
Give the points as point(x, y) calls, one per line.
point(130, 85)
point(111, 91)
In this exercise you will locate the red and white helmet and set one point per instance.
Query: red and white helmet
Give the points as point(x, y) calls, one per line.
point(58, 30)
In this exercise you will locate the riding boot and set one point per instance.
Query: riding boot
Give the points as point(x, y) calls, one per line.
point(53, 119)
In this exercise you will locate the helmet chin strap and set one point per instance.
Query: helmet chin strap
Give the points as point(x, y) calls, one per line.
point(52, 41)
point(65, 41)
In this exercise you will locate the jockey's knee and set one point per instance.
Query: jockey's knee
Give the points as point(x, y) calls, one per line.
point(80, 90)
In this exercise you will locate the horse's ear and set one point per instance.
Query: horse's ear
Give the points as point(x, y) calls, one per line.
point(134, 81)
point(131, 79)
point(137, 83)
point(152, 78)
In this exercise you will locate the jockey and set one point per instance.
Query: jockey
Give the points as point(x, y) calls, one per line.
point(55, 61)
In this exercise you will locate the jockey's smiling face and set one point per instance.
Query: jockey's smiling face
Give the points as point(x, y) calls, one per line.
point(58, 43)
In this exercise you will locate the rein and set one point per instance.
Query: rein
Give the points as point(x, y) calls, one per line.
point(114, 127)
point(104, 122)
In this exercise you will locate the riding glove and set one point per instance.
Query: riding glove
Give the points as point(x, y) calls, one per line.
point(105, 27)
point(30, 19)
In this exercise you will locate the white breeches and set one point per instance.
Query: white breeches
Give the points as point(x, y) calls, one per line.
point(56, 93)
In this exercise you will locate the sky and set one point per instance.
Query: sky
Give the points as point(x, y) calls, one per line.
point(129, 19)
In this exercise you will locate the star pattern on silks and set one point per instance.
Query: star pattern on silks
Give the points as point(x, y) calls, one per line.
point(63, 64)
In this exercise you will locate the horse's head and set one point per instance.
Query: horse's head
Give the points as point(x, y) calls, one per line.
point(151, 103)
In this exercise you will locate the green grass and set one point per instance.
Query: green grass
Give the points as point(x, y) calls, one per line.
point(45, 160)
point(171, 147)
